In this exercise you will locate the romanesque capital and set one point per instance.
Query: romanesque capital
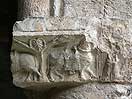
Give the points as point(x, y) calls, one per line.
point(70, 42)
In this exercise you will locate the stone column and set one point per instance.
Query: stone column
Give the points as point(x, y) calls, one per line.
point(33, 8)
point(87, 51)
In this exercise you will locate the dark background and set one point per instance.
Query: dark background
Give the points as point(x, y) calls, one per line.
point(8, 16)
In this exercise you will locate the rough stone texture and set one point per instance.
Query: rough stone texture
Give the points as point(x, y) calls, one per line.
point(96, 91)
point(33, 8)
point(86, 91)
point(70, 42)
point(100, 52)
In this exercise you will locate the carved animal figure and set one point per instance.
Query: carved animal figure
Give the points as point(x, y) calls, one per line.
point(27, 63)
point(71, 63)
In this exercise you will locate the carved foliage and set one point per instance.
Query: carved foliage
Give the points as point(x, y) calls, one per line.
point(38, 44)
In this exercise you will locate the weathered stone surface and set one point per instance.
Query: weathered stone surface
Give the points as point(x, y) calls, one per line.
point(68, 42)
point(33, 8)
point(100, 52)
point(76, 8)
point(86, 91)
point(30, 25)
point(96, 91)
point(35, 24)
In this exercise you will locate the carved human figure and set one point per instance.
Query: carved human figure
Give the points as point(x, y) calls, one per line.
point(114, 61)
point(116, 68)
point(25, 63)
point(71, 61)
point(113, 66)
point(86, 59)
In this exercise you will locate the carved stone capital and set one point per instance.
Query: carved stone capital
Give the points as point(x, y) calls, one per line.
point(44, 56)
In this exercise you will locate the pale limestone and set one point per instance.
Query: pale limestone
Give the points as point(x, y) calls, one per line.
point(96, 91)
point(96, 53)
point(71, 42)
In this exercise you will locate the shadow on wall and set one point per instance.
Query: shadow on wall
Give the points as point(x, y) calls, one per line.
point(8, 16)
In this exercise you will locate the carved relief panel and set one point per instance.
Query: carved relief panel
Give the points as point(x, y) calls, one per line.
point(101, 52)
point(55, 59)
